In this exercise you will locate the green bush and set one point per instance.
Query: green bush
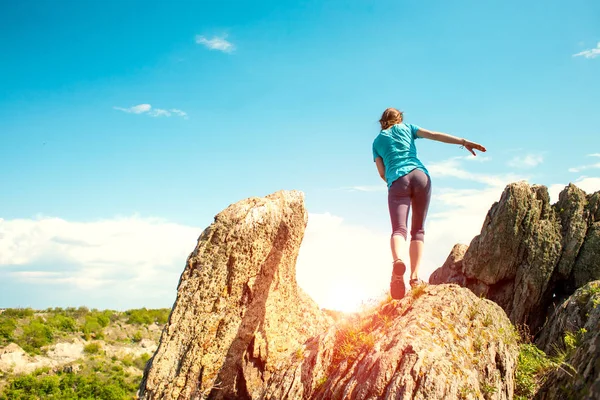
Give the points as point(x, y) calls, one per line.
point(532, 367)
point(137, 337)
point(141, 361)
point(7, 328)
point(62, 323)
point(143, 316)
point(35, 335)
point(103, 384)
point(18, 312)
point(92, 327)
point(92, 348)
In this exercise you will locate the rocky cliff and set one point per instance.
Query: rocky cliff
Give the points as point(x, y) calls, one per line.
point(242, 329)
point(239, 311)
point(540, 263)
point(530, 254)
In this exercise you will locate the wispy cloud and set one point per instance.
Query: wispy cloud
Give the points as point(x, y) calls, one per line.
point(527, 161)
point(588, 166)
point(139, 109)
point(584, 167)
point(365, 188)
point(452, 167)
point(216, 43)
point(591, 53)
point(153, 112)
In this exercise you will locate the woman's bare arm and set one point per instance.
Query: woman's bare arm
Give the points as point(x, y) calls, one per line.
point(445, 138)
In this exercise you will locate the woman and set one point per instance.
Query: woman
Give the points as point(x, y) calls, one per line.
point(409, 184)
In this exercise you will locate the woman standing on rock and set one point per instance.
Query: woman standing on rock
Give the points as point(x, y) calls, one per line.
point(408, 181)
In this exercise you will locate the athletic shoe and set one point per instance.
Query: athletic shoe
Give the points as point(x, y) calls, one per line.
point(416, 282)
point(397, 289)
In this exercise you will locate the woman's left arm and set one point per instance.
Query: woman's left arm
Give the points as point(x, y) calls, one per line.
point(380, 167)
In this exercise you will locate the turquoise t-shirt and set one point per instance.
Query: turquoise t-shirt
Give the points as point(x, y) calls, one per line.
point(396, 146)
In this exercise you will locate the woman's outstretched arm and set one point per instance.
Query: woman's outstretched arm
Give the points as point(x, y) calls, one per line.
point(445, 138)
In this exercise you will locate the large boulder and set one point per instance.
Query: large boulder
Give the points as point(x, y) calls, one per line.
point(439, 342)
point(238, 311)
point(573, 332)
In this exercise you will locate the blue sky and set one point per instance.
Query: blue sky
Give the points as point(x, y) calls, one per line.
point(117, 116)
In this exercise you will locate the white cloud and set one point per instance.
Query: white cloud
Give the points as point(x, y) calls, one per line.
point(216, 43)
point(126, 258)
point(452, 168)
point(526, 161)
point(591, 53)
point(139, 109)
point(586, 183)
point(178, 112)
point(584, 167)
point(479, 158)
point(153, 112)
point(366, 188)
point(159, 112)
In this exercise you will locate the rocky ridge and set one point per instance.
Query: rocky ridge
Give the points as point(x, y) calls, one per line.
point(242, 329)
point(541, 264)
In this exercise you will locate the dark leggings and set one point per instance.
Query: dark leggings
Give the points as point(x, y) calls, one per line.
point(413, 188)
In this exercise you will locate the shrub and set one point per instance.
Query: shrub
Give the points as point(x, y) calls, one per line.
point(92, 348)
point(137, 337)
point(18, 312)
point(101, 384)
point(62, 323)
point(7, 328)
point(143, 316)
point(92, 327)
point(532, 367)
point(141, 361)
point(35, 335)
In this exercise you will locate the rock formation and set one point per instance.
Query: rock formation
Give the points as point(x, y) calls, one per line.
point(537, 261)
point(439, 342)
point(529, 254)
point(242, 329)
point(238, 310)
point(574, 331)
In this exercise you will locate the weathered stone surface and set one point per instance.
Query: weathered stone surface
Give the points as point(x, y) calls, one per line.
point(587, 266)
point(452, 269)
point(530, 254)
point(514, 229)
point(439, 342)
point(579, 316)
point(238, 310)
point(513, 259)
point(571, 212)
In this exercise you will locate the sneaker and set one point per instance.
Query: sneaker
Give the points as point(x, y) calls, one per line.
point(397, 289)
point(416, 282)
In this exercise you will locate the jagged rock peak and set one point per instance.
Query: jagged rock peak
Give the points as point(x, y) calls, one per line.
point(530, 253)
point(238, 310)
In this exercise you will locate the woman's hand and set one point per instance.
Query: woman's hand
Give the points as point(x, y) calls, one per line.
point(471, 146)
